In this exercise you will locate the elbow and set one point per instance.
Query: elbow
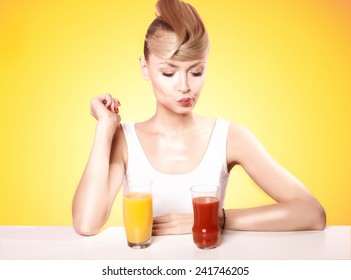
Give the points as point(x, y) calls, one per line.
point(85, 225)
point(321, 219)
point(318, 217)
point(85, 228)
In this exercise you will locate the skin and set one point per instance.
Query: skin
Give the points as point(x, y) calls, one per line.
point(165, 139)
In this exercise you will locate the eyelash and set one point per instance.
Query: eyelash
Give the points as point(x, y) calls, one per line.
point(198, 74)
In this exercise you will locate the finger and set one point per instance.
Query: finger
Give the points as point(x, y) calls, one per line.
point(162, 219)
point(164, 231)
point(94, 104)
point(105, 99)
point(116, 104)
point(109, 101)
point(186, 229)
point(117, 101)
point(161, 226)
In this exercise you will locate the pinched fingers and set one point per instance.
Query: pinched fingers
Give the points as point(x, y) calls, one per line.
point(108, 101)
point(115, 105)
point(105, 99)
point(99, 103)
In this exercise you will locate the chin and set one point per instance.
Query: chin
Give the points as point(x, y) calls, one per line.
point(184, 110)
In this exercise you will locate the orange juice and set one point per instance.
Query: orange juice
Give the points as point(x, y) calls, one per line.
point(137, 213)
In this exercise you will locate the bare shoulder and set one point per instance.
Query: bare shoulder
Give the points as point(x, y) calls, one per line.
point(236, 129)
point(239, 135)
point(241, 143)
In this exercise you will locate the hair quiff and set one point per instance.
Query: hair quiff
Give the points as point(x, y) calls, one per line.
point(177, 33)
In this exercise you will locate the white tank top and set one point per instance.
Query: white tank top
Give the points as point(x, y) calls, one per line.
point(171, 192)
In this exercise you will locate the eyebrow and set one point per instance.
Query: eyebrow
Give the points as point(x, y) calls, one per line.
point(175, 66)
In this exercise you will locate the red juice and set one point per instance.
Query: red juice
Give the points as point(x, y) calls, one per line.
point(206, 228)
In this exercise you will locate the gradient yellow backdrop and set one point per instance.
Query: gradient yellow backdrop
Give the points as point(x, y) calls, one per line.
point(281, 68)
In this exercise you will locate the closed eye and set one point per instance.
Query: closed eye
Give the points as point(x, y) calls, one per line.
point(197, 74)
point(169, 75)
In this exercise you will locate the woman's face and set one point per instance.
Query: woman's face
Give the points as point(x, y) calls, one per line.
point(176, 84)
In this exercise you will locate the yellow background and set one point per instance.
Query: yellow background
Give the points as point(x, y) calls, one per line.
point(281, 68)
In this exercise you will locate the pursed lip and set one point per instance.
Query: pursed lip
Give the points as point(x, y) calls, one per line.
point(185, 101)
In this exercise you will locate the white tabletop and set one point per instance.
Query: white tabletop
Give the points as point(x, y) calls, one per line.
point(59, 243)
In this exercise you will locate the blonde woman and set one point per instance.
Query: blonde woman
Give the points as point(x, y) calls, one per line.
point(177, 148)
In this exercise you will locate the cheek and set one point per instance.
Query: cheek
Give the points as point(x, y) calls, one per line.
point(160, 86)
point(198, 84)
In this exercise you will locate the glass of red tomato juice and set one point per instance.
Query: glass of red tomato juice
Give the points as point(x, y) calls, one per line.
point(206, 230)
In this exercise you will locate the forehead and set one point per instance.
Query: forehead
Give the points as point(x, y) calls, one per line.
point(154, 60)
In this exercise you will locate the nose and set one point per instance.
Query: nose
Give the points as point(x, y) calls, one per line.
point(183, 83)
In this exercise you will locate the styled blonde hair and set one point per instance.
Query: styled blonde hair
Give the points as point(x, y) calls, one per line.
point(177, 33)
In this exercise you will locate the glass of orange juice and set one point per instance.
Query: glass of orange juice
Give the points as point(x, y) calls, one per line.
point(137, 212)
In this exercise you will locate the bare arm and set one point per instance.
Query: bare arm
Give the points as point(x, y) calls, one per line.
point(296, 207)
point(104, 172)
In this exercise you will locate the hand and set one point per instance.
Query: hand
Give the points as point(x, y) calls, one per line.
point(173, 224)
point(104, 108)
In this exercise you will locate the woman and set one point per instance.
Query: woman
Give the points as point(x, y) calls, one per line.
point(177, 148)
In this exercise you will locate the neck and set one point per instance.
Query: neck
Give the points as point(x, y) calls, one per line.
point(172, 124)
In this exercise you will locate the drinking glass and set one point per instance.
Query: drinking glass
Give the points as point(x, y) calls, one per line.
point(206, 230)
point(137, 213)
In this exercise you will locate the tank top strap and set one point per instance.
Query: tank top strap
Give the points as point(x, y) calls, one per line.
point(217, 148)
point(129, 133)
point(171, 192)
point(137, 160)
